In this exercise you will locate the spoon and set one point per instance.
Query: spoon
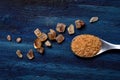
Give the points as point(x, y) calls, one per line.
point(107, 46)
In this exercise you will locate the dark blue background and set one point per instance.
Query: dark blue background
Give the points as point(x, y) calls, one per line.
point(19, 18)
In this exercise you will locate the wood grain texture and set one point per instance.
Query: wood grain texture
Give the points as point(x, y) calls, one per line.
point(19, 18)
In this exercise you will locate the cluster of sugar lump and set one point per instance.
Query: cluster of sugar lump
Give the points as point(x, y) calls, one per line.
point(82, 45)
point(45, 39)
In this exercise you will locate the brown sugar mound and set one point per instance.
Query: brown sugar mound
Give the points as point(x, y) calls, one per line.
point(86, 45)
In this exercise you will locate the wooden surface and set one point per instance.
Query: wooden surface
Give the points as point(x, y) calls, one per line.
point(19, 18)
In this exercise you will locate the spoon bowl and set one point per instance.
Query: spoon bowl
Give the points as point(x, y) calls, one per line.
point(107, 46)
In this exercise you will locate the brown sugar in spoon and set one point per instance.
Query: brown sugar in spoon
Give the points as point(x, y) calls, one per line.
point(87, 46)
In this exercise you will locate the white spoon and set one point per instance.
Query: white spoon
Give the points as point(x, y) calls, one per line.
point(107, 46)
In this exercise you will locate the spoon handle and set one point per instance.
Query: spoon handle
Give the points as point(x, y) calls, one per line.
point(115, 46)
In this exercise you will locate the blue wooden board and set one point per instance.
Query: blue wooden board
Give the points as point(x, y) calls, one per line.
point(20, 18)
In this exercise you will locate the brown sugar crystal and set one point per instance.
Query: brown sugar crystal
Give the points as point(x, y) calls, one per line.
point(86, 45)
point(60, 27)
point(43, 37)
point(18, 40)
point(52, 34)
point(48, 43)
point(19, 53)
point(37, 43)
point(93, 19)
point(37, 32)
point(71, 29)
point(79, 24)
point(30, 54)
point(60, 38)
point(40, 50)
point(9, 38)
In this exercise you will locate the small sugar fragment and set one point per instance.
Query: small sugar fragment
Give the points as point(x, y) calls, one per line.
point(48, 43)
point(18, 40)
point(60, 27)
point(37, 43)
point(93, 19)
point(19, 54)
point(60, 38)
point(30, 54)
point(9, 38)
point(52, 34)
point(37, 32)
point(79, 24)
point(40, 50)
point(43, 37)
point(71, 29)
